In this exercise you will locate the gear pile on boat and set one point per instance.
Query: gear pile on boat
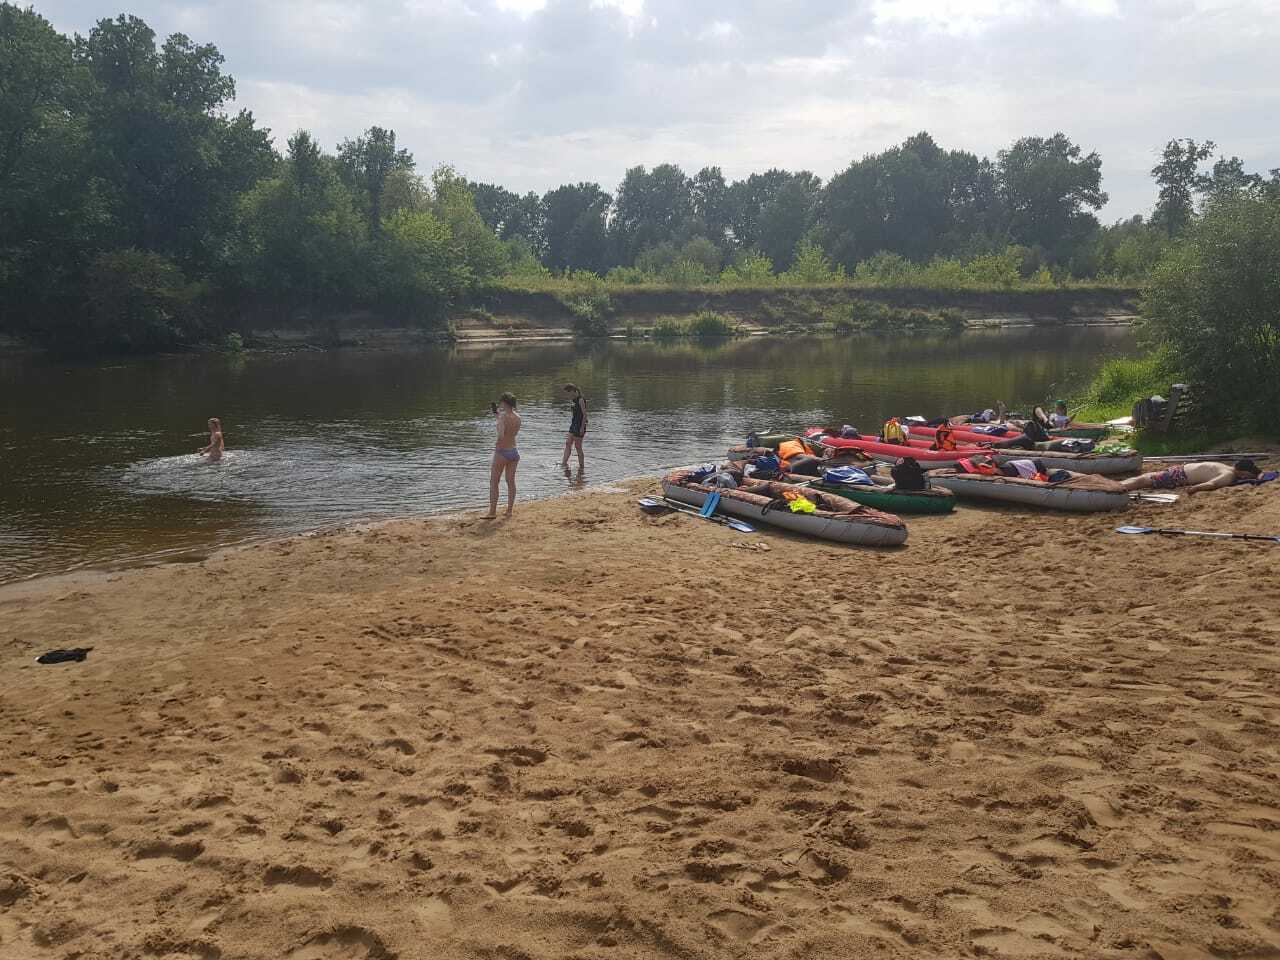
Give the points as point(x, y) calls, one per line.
point(831, 483)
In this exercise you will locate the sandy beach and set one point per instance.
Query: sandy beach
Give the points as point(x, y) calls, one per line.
point(587, 733)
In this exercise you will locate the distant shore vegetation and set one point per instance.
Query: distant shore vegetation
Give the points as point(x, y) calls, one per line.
point(137, 212)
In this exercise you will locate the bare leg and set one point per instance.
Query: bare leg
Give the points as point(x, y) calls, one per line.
point(495, 473)
point(568, 445)
point(1141, 482)
point(577, 442)
point(511, 486)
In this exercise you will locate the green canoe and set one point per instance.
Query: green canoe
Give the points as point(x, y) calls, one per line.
point(883, 496)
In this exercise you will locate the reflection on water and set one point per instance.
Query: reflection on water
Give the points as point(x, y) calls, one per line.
point(97, 462)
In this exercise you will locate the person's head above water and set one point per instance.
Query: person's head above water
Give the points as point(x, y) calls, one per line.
point(572, 390)
point(508, 400)
point(215, 424)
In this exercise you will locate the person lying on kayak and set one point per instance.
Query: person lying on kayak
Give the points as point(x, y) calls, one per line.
point(1195, 477)
point(1060, 419)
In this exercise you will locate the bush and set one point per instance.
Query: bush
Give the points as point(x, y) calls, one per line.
point(590, 306)
point(669, 328)
point(1123, 380)
point(1213, 302)
point(750, 269)
point(141, 300)
point(812, 267)
point(707, 323)
point(233, 343)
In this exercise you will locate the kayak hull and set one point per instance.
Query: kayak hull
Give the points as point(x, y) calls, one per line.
point(848, 523)
point(884, 496)
point(1030, 493)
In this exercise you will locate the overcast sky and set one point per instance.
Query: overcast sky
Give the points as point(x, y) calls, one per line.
point(534, 93)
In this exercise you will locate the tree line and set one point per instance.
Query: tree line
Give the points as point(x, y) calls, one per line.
point(136, 212)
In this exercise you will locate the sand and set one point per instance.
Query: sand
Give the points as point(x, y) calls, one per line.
point(587, 733)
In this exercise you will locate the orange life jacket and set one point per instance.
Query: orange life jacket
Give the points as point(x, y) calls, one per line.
point(944, 438)
point(791, 448)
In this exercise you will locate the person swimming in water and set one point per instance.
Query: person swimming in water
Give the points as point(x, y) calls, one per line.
point(213, 452)
point(506, 457)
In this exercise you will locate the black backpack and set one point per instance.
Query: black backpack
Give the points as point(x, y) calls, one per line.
point(907, 474)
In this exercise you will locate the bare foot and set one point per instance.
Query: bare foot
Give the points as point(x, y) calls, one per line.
point(508, 514)
point(490, 516)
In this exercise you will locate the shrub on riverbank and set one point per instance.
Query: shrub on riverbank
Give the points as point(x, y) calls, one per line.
point(1213, 304)
point(704, 325)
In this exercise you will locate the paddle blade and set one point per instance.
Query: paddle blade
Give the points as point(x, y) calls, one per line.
point(1134, 530)
point(741, 527)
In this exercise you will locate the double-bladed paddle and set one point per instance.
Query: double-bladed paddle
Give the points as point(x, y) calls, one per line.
point(652, 503)
point(1199, 533)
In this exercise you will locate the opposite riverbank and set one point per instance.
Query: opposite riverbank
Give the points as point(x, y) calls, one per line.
point(588, 730)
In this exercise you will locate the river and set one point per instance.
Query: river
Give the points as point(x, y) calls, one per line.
point(97, 464)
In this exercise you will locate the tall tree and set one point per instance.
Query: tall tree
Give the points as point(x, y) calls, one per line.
point(1180, 179)
point(175, 162)
point(510, 215)
point(576, 227)
point(652, 207)
point(366, 162)
point(51, 211)
point(1048, 185)
point(710, 196)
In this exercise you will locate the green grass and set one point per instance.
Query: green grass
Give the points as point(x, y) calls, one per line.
point(1121, 382)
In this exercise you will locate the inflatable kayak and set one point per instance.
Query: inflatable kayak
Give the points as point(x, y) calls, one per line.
point(892, 452)
point(1103, 464)
point(1080, 494)
point(835, 518)
point(883, 495)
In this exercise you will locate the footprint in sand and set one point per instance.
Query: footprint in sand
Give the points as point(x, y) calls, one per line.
point(737, 925)
point(343, 943)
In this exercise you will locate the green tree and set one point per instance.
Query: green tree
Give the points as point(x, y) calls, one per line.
point(575, 227)
point(302, 239)
point(812, 266)
point(52, 209)
point(1048, 185)
point(423, 271)
point(367, 162)
point(652, 207)
point(510, 215)
point(474, 244)
point(710, 198)
point(1214, 303)
point(1180, 179)
point(174, 163)
point(1228, 179)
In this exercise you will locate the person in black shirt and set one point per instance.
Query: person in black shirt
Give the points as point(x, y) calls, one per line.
point(577, 427)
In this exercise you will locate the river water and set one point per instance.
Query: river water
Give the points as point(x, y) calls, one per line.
point(97, 464)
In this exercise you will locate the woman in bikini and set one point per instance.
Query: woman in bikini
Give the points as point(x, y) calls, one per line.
point(213, 451)
point(506, 457)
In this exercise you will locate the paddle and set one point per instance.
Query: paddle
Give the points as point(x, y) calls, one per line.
point(651, 503)
point(1198, 533)
point(709, 505)
point(1145, 497)
point(1188, 457)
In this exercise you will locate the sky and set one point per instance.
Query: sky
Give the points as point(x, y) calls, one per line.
point(534, 93)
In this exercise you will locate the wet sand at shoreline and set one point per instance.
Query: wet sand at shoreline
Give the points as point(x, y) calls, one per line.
point(588, 733)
